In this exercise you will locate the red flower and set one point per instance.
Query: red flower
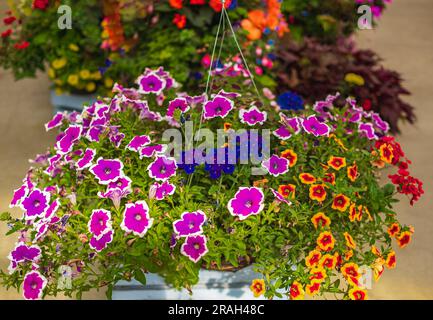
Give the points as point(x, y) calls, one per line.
point(329, 178)
point(394, 229)
point(317, 192)
point(177, 4)
point(9, 20)
point(21, 45)
point(40, 4)
point(352, 172)
point(307, 178)
point(340, 202)
point(7, 33)
point(404, 239)
point(367, 105)
point(197, 2)
point(337, 162)
point(217, 5)
point(179, 20)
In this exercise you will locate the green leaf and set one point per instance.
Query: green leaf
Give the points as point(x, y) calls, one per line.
point(140, 276)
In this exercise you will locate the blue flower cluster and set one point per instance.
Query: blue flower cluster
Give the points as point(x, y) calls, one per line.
point(290, 101)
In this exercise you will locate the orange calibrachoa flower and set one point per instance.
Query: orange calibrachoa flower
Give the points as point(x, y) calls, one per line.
point(375, 251)
point(404, 239)
point(340, 203)
point(352, 172)
point(258, 287)
point(394, 229)
point(391, 260)
point(326, 241)
point(350, 270)
point(377, 163)
point(307, 178)
point(227, 126)
point(313, 258)
point(378, 268)
point(329, 178)
point(337, 162)
point(357, 294)
point(287, 190)
point(296, 291)
point(386, 153)
point(348, 255)
point(320, 220)
point(353, 213)
point(318, 192)
point(313, 288)
point(260, 183)
point(349, 241)
point(318, 274)
point(217, 4)
point(328, 261)
point(177, 4)
point(290, 155)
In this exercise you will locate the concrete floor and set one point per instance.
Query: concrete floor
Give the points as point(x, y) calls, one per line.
point(403, 39)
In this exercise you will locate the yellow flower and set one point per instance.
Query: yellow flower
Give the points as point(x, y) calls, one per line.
point(357, 294)
point(58, 91)
point(73, 47)
point(96, 75)
point(258, 287)
point(51, 73)
point(84, 74)
point(90, 87)
point(108, 82)
point(73, 79)
point(59, 63)
point(58, 82)
point(354, 79)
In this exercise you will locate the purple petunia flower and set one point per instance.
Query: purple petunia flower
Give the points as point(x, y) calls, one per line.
point(36, 203)
point(99, 223)
point(282, 133)
point(94, 132)
point(33, 285)
point(246, 202)
point(162, 168)
point(136, 218)
point(52, 210)
point(22, 253)
point(107, 170)
point(190, 223)
point(117, 139)
point(276, 165)
point(177, 104)
point(367, 130)
point(252, 116)
point(378, 122)
point(314, 126)
point(151, 151)
point(56, 121)
point(138, 142)
point(19, 195)
point(117, 190)
point(280, 197)
point(101, 243)
point(151, 83)
point(86, 160)
point(160, 191)
point(229, 95)
point(72, 134)
point(217, 107)
point(194, 247)
point(123, 183)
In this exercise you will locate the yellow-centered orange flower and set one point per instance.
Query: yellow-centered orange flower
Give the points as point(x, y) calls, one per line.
point(287, 190)
point(317, 192)
point(404, 238)
point(328, 261)
point(291, 156)
point(394, 229)
point(391, 260)
point(258, 287)
point(307, 178)
point(340, 202)
point(325, 241)
point(313, 288)
point(320, 220)
point(318, 274)
point(352, 172)
point(313, 258)
point(386, 153)
point(337, 162)
point(296, 291)
point(349, 241)
point(358, 294)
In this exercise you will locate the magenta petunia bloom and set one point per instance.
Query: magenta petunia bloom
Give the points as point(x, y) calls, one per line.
point(19, 195)
point(99, 223)
point(136, 218)
point(36, 203)
point(282, 133)
point(117, 139)
point(190, 223)
point(217, 107)
point(367, 130)
point(23, 252)
point(246, 202)
point(151, 83)
point(52, 210)
point(33, 285)
point(160, 191)
point(138, 142)
point(107, 170)
point(56, 121)
point(101, 243)
point(41, 230)
point(276, 165)
point(151, 151)
point(71, 135)
point(162, 168)
point(86, 160)
point(123, 183)
point(177, 104)
point(280, 197)
point(229, 95)
point(194, 247)
point(94, 132)
point(252, 116)
point(117, 190)
point(379, 123)
point(291, 126)
point(314, 126)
